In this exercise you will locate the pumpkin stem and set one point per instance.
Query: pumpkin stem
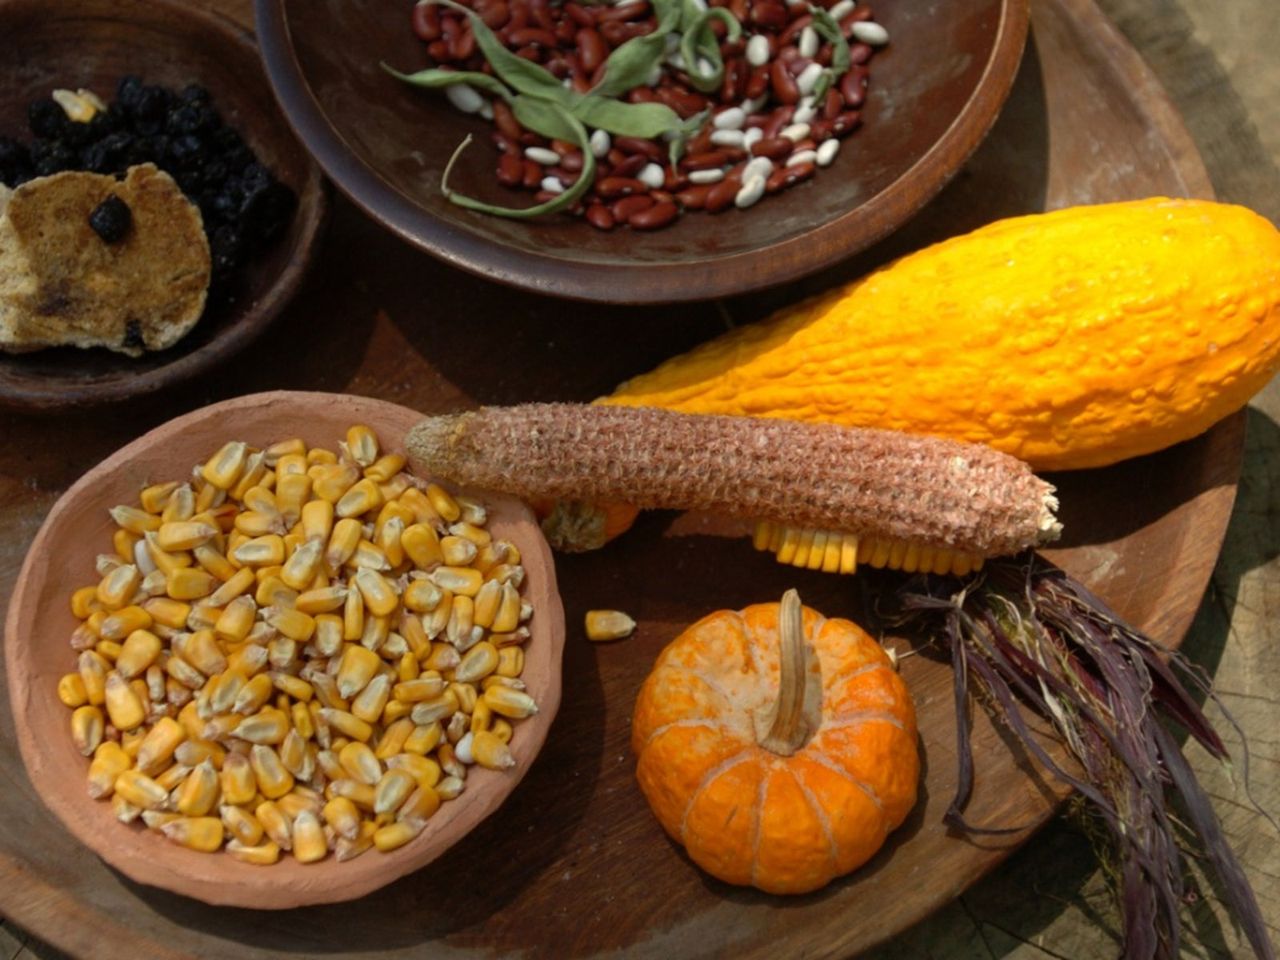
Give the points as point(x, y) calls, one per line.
point(787, 730)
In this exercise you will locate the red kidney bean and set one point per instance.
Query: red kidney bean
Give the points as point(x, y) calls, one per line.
point(790, 34)
point(545, 196)
point(572, 162)
point(787, 54)
point(505, 143)
point(820, 130)
point(505, 120)
point(861, 12)
point(832, 104)
point(536, 35)
point(639, 145)
point(612, 187)
point(642, 95)
point(758, 82)
point(628, 207)
point(700, 143)
point(655, 218)
point(618, 33)
point(734, 154)
point(765, 13)
point(852, 90)
point(494, 13)
point(777, 120)
point(582, 16)
point(734, 70)
point(846, 123)
point(860, 53)
point(630, 166)
point(598, 216)
point(672, 182)
point(684, 103)
point(662, 196)
point(563, 146)
point(711, 160)
point(739, 10)
point(694, 198)
point(510, 170)
point(592, 49)
point(732, 48)
point(426, 22)
point(720, 196)
point(557, 66)
point(540, 13)
point(450, 25)
point(519, 15)
point(777, 181)
point(798, 65)
point(564, 174)
point(808, 143)
point(463, 45)
point(615, 157)
point(532, 174)
point(438, 50)
point(783, 83)
point(775, 148)
point(532, 53)
point(581, 82)
point(633, 10)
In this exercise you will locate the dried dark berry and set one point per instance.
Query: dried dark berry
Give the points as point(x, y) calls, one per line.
point(194, 93)
point(128, 91)
point(109, 155)
point(15, 162)
point(224, 249)
point(51, 156)
point(111, 219)
point(266, 213)
point(186, 149)
point(152, 104)
point(189, 118)
point(133, 336)
point(46, 119)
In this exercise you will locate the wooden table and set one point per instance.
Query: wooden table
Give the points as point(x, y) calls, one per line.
point(1215, 65)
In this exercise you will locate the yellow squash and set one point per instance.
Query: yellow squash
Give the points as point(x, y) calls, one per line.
point(1069, 339)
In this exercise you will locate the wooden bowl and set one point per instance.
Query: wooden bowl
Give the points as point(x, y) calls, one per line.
point(935, 91)
point(36, 655)
point(46, 44)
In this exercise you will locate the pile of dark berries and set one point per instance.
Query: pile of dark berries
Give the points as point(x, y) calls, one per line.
point(244, 207)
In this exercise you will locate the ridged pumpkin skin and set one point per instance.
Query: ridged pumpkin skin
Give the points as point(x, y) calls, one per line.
point(1069, 339)
point(748, 815)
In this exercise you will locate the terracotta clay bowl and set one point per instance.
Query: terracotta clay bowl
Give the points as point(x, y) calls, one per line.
point(935, 92)
point(46, 44)
point(36, 652)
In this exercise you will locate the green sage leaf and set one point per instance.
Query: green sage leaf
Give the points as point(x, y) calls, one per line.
point(434, 79)
point(699, 43)
point(630, 64)
point(647, 120)
point(827, 27)
point(543, 116)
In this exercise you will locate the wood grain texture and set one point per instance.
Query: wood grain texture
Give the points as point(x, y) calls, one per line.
point(448, 341)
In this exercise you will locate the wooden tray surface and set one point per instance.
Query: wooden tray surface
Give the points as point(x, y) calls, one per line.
point(574, 865)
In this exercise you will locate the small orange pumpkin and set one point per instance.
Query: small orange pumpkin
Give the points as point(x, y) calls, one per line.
point(778, 746)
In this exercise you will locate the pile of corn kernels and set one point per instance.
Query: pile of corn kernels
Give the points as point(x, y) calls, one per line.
point(297, 650)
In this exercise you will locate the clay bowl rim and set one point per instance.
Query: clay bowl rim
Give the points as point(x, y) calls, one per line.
point(673, 281)
point(41, 720)
point(249, 319)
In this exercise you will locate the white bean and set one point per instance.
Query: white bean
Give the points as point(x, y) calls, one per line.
point(751, 191)
point(758, 50)
point(795, 133)
point(750, 136)
point(827, 151)
point(464, 97)
point(757, 167)
point(842, 9)
point(731, 119)
point(754, 106)
point(805, 111)
point(651, 176)
point(706, 176)
point(548, 158)
point(552, 185)
point(600, 143)
point(486, 111)
point(802, 156)
point(808, 42)
point(727, 138)
point(808, 78)
point(870, 32)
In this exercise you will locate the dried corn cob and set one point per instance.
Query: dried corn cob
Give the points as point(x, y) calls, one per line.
point(947, 497)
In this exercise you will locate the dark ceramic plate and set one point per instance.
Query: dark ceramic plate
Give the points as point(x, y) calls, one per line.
point(45, 44)
point(935, 92)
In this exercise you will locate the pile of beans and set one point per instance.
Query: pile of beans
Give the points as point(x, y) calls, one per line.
point(765, 134)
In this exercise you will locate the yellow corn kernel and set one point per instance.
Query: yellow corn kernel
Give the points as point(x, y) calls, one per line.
point(441, 658)
point(379, 598)
point(508, 615)
point(71, 690)
point(422, 596)
point(196, 833)
point(192, 753)
point(421, 804)
point(369, 556)
point(123, 622)
point(422, 545)
point(186, 583)
point(326, 689)
point(342, 545)
point(269, 726)
point(343, 816)
point(154, 497)
point(486, 603)
point(260, 551)
point(275, 824)
point(123, 810)
point(362, 444)
point(201, 650)
point(376, 632)
point(293, 624)
point(181, 505)
point(223, 469)
point(393, 738)
point(293, 447)
point(109, 761)
point(388, 540)
point(172, 778)
point(236, 620)
point(167, 612)
point(466, 695)
point(330, 482)
point(348, 724)
point(490, 751)
point(273, 779)
point(370, 702)
point(510, 662)
point(443, 503)
point(360, 762)
point(464, 581)
point(301, 717)
point(423, 739)
point(508, 702)
point(264, 854)
point(124, 707)
point(183, 535)
point(303, 565)
point(117, 588)
point(437, 708)
point(212, 560)
point(108, 649)
point(317, 520)
point(203, 616)
point(457, 551)
point(363, 497)
point(356, 669)
point(241, 824)
point(407, 666)
point(295, 687)
point(295, 756)
point(416, 642)
point(361, 794)
point(134, 520)
point(209, 497)
point(392, 790)
point(328, 634)
point(272, 592)
point(253, 695)
point(309, 843)
point(93, 673)
point(501, 729)
point(477, 663)
point(237, 780)
point(199, 791)
point(84, 602)
point(396, 835)
point(253, 523)
point(135, 787)
point(298, 800)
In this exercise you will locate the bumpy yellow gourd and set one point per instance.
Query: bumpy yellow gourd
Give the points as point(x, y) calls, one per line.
point(1069, 339)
